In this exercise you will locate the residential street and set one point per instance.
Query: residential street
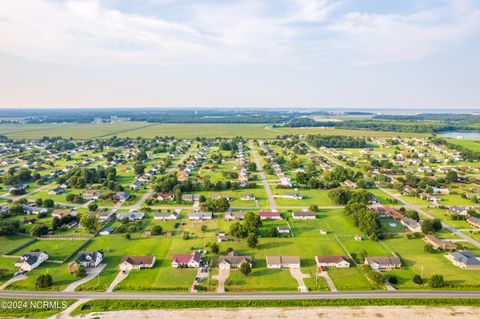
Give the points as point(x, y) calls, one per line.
point(271, 199)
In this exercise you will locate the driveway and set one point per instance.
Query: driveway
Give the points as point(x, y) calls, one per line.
point(223, 275)
point(326, 276)
point(298, 276)
point(91, 273)
point(202, 276)
point(12, 280)
point(121, 275)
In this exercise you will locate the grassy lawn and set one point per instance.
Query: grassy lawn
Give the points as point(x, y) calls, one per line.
point(349, 279)
point(56, 249)
point(311, 197)
point(416, 261)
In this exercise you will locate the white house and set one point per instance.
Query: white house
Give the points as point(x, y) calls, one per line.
point(31, 260)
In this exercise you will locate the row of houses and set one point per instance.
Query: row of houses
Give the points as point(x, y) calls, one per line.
point(285, 181)
point(243, 174)
point(318, 161)
point(192, 164)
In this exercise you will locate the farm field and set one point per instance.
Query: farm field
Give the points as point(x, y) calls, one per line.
point(150, 130)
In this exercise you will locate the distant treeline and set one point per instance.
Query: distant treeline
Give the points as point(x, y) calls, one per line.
point(393, 125)
point(153, 115)
point(430, 117)
point(336, 141)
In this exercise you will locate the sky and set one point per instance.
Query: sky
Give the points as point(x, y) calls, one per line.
point(415, 54)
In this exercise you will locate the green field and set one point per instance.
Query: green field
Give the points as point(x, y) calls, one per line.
point(149, 130)
point(471, 144)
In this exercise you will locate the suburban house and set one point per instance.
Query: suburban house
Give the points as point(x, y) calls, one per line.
point(166, 216)
point(120, 197)
point(166, 196)
point(464, 259)
point(90, 194)
point(56, 191)
point(411, 224)
point(304, 215)
point(106, 231)
point(332, 261)
point(233, 260)
point(17, 188)
point(283, 229)
point(441, 191)
point(270, 215)
point(88, 259)
point(295, 196)
point(200, 216)
point(131, 216)
point(350, 184)
point(218, 196)
point(128, 263)
point(440, 244)
point(33, 210)
point(458, 210)
point(192, 260)
point(247, 197)
point(383, 263)
point(474, 221)
point(430, 198)
point(190, 197)
point(59, 213)
point(136, 185)
point(234, 215)
point(103, 216)
point(283, 262)
point(222, 237)
point(387, 211)
point(31, 260)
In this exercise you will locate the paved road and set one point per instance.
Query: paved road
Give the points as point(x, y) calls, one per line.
point(271, 199)
point(171, 170)
point(240, 296)
point(424, 213)
point(327, 156)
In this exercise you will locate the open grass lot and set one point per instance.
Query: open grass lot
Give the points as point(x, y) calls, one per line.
point(7, 244)
point(59, 272)
point(311, 197)
point(471, 144)
point(56, 249)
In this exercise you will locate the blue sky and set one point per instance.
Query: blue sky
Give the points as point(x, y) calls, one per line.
point(270, 53)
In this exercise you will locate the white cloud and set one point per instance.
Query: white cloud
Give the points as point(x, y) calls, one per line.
point(384, 38)
point(313, 10)
point(233, 32)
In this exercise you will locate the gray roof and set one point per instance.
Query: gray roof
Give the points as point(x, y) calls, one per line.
point(465, 257)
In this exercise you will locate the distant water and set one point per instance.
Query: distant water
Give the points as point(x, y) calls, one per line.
point(461, 134)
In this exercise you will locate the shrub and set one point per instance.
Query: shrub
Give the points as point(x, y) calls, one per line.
point(437, 281)
point(418, 280)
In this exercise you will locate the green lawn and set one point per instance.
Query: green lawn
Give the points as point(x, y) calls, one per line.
point(56, 249)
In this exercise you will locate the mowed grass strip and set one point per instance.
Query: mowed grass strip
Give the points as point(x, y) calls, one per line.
point(115, 305)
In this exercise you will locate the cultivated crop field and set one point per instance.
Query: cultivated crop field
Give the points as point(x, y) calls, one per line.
point(150, 130)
